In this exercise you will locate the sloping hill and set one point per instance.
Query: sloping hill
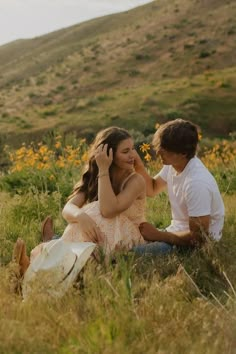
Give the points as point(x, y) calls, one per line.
point(152, 63)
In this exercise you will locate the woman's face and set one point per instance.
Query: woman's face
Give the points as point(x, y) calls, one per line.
point(124, 156)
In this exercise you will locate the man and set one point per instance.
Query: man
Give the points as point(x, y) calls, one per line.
point(196, 205)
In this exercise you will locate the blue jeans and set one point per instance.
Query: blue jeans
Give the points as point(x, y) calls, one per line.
point(153, 249)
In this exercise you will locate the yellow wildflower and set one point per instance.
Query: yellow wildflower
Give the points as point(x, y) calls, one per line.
point(58, 145)
point(144, 147)
point(43, 149)
point(147, 157)
point(84, 157)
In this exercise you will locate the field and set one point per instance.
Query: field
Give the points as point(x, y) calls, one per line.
point(181, 303)
point(161, 61)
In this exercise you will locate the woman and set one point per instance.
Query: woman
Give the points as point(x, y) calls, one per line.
point(107, 205)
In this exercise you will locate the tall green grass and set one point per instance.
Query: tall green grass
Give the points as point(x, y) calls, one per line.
point(181, 303)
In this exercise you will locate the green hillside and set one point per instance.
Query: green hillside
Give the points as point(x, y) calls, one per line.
point(159, 61)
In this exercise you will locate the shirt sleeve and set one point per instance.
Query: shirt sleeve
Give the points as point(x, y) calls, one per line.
point(163, 173)
point(198, 199)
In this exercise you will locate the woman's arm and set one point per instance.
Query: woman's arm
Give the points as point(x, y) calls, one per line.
point(73, 213)
point(72, 209)
point(111, 204)
point(153, 185)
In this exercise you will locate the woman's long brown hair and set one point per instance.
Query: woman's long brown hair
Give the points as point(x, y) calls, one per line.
point(89, 182)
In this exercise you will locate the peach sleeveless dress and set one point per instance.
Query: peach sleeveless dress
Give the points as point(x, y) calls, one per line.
point(118, 233)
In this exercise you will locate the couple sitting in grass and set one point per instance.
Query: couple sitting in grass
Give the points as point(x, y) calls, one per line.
point(107, 207)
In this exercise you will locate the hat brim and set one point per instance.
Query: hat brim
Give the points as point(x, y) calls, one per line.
point(57, 266)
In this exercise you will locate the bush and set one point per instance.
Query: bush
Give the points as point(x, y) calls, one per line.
point(46, 167)
point(204, 54)
point(134, 72)
point(173, 114)
point(141, 56)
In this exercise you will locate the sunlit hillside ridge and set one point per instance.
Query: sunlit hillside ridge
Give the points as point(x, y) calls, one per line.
point(154, 63)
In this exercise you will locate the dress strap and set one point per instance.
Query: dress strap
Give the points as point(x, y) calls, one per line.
point(126, 179)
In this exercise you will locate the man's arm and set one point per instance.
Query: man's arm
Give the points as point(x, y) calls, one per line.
point(153, 185)
point(198, 229)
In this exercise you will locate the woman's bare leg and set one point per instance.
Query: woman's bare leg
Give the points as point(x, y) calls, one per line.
point(72, 234)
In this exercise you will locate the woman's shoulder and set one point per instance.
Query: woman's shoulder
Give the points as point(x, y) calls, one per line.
point(139, 178)
point(135, 178)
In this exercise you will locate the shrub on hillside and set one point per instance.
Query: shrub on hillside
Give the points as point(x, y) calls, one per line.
point(174, 114)
point(204, 54)
point(134, 72)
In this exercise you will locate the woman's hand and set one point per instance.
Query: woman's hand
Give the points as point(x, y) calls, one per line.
point(89, 229)
point(103, 158)
point(149, 232)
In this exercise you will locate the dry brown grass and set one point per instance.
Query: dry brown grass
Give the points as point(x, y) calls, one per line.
point(183, 303)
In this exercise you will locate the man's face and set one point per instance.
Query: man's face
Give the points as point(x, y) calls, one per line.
point(169, 157)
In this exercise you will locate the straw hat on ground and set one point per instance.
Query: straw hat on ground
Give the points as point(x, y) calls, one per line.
point(56, 268)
